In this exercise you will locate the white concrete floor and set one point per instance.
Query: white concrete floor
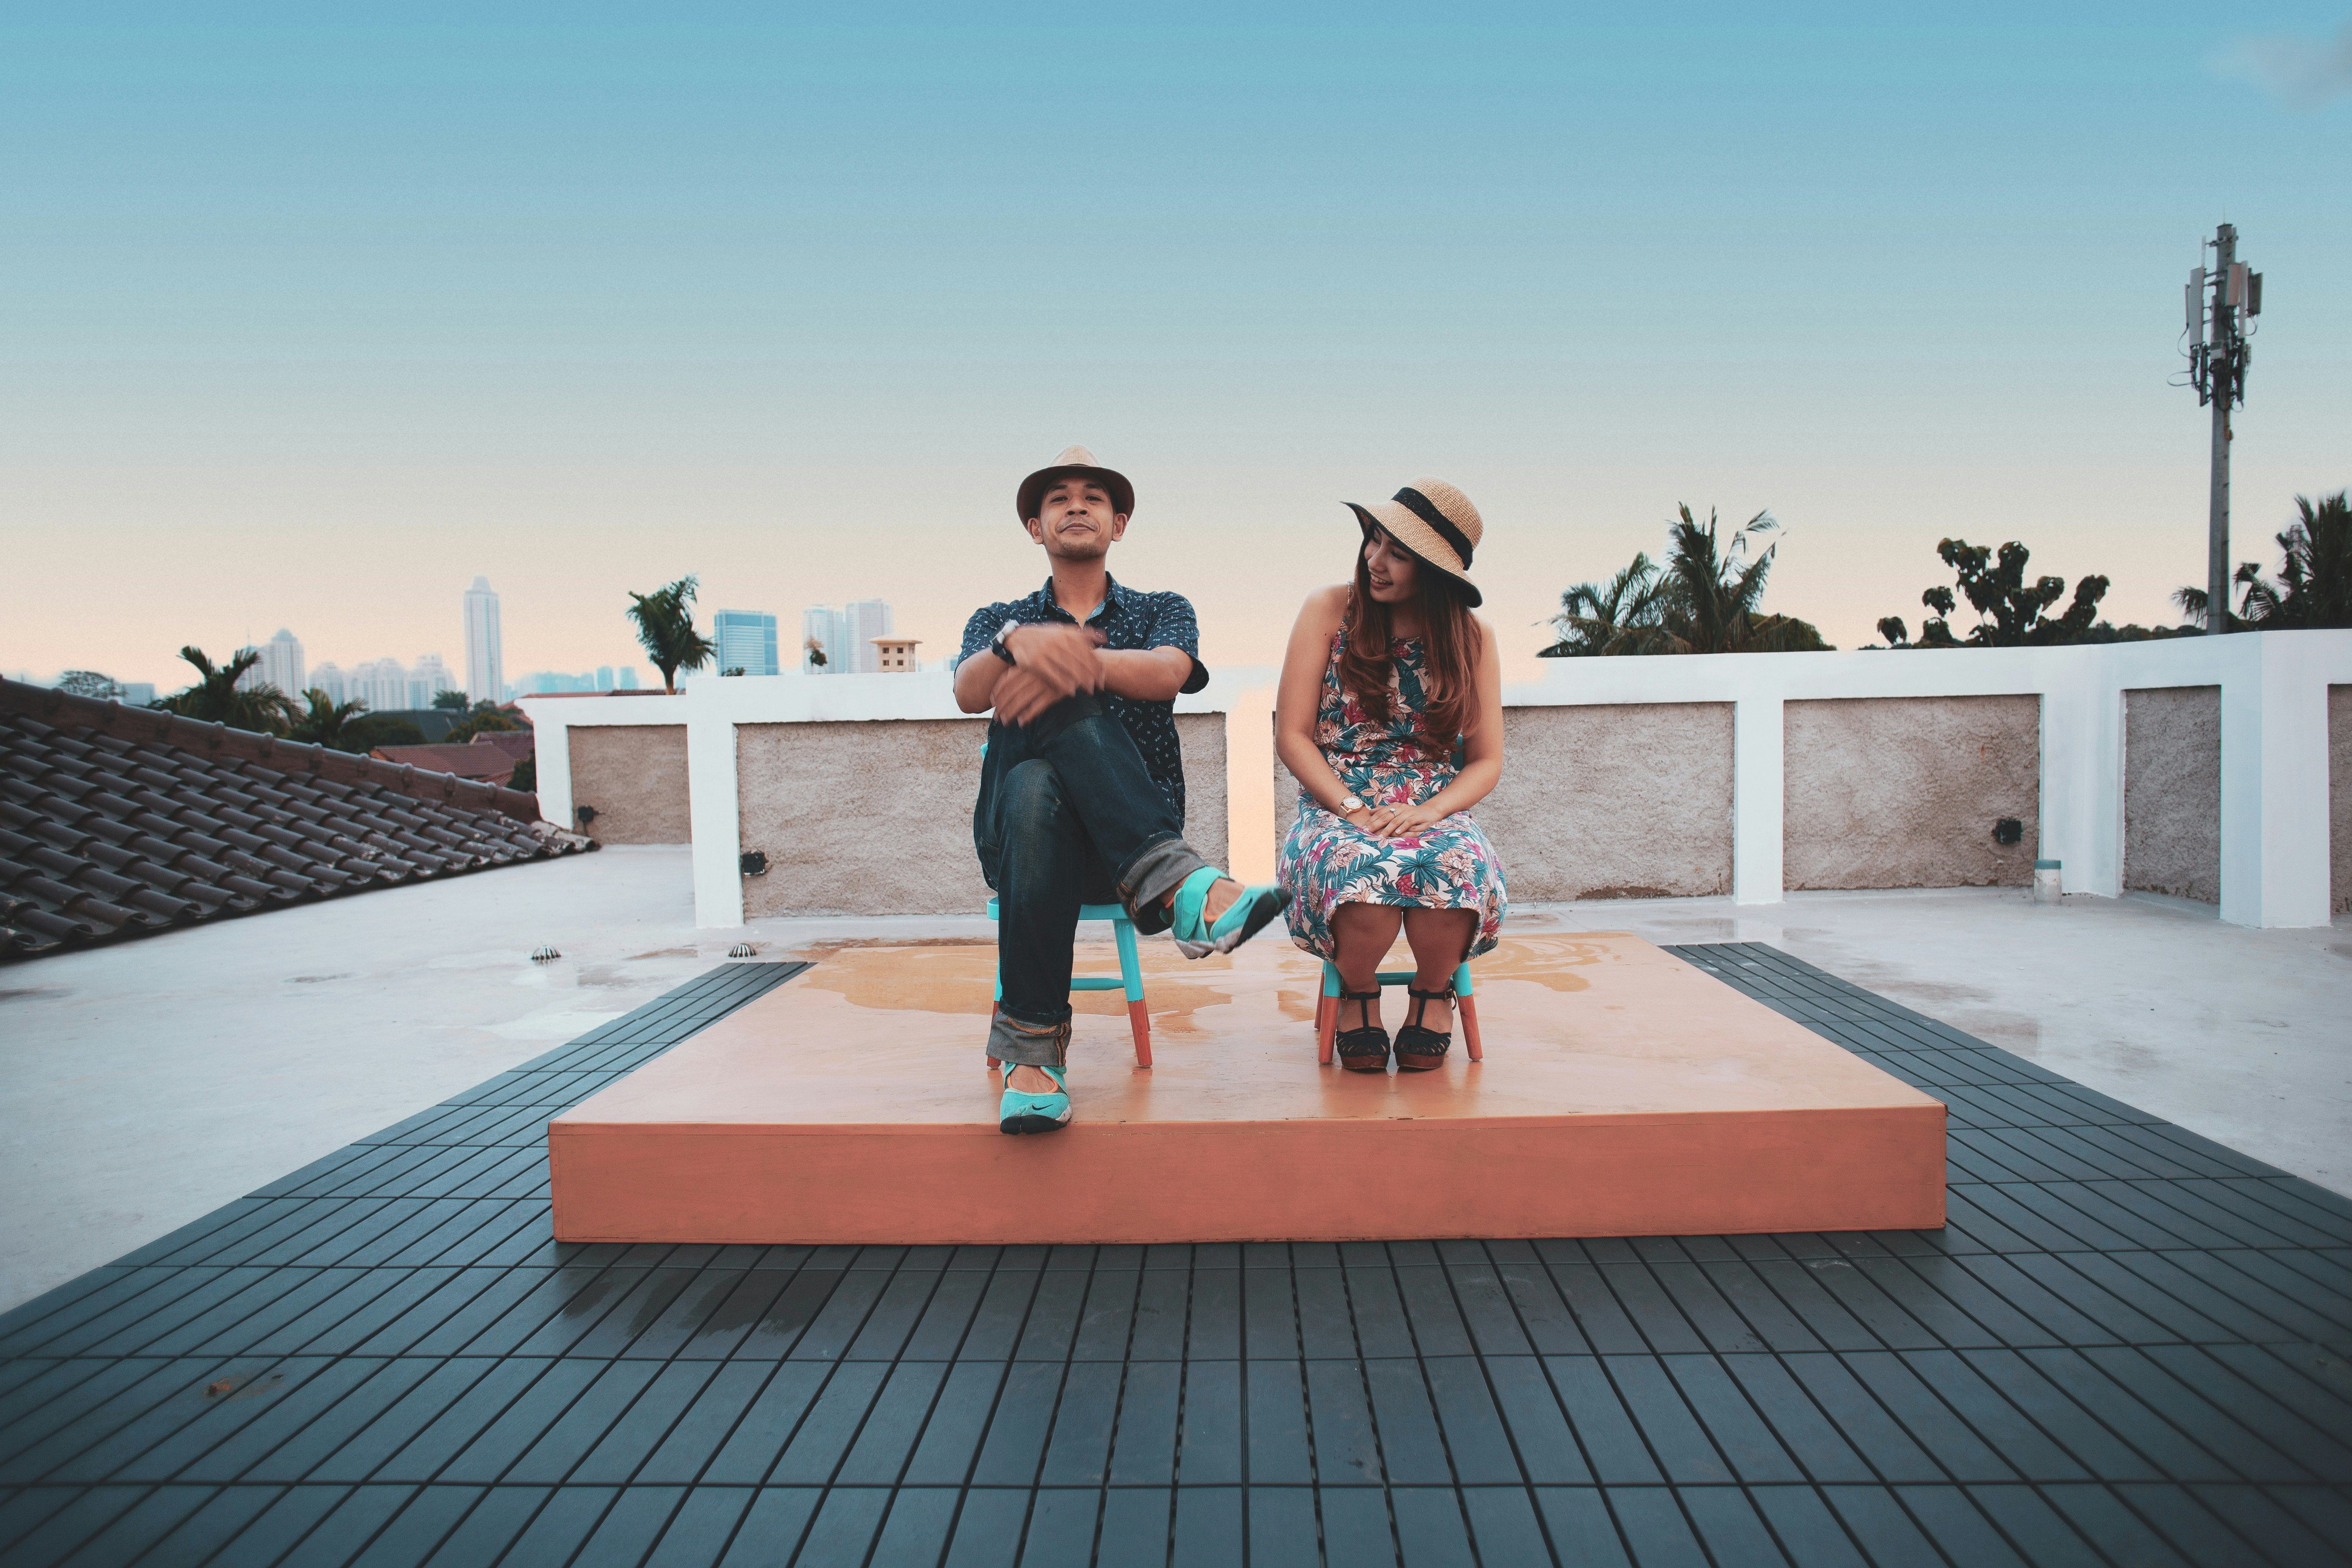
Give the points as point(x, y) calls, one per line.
point(2243, 1035)
point(145, 1084)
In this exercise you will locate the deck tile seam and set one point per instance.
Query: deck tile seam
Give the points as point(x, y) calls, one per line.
point(1436, 1406)
point(1493, 1397)
point(1118, 1426)
point(1347, 1280)
point(1004, 1375)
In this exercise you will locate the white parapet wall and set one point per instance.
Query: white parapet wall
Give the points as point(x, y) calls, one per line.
point(2262, 827)
point(913, 803)
point(2274, 851)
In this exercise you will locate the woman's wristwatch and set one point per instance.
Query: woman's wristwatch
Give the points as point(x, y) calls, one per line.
point(1349, 805)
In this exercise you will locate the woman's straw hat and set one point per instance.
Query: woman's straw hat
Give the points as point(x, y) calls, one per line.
point(1436, 525)
point(1074, 460)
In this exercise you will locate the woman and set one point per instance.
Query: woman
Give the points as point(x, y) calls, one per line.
point(1390, 719)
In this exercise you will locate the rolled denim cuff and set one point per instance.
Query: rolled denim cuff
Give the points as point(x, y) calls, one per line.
point(1158, 869)
point(1027, 1044)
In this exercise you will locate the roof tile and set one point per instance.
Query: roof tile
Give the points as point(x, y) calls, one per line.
point(117, 821)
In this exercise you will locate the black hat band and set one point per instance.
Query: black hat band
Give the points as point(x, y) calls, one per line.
point(1422, 507)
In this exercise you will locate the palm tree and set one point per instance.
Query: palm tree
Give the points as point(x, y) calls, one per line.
point(322, 725)
point(2314, 584)
point(1711, 589)
point(2318, 576)
point(665, 627)
point(1597, 619)
point(216, 698)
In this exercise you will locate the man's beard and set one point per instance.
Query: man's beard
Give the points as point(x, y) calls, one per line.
point(1086, 547)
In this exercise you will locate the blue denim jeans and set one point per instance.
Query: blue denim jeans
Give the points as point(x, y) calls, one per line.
point(1067, 816)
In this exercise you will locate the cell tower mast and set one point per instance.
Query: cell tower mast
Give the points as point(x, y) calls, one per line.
point(2218, 357)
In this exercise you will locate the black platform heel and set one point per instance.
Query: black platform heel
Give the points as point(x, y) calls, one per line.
point(1364, 1048)
point(1419, 1049)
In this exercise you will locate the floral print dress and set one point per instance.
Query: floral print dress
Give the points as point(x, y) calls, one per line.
point(1327, 861)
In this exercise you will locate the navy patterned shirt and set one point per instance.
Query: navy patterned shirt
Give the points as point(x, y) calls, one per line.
point(1128, 619)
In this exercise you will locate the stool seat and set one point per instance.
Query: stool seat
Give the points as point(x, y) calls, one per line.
point(1327, 1008)
point(1129, 979)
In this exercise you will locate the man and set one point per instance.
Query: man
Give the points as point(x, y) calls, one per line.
point(1082, 790)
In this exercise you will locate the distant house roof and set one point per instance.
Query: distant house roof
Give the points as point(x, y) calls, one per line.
point(515, 743)
point(118, 821)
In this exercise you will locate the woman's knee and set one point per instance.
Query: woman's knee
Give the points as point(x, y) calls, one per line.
point(1368, 922)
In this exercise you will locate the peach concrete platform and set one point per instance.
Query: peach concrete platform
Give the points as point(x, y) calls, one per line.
point(1624, 1093)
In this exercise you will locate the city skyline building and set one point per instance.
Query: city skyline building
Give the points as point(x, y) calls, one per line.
point(486, 678)
point(381, 683)
point(427, 680)
point(821, 625)
point(746, 640)
point(846, 635)
point(280, 664)
point(386, 685)
point(603, 678)
point(863, 621)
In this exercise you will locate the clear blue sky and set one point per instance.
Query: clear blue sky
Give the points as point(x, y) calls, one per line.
point(312, 313)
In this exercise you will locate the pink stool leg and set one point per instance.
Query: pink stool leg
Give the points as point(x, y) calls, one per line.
point(1139, 1018)
point(1469, 1006)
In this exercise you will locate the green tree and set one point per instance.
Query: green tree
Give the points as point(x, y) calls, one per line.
point(526, 776)
point(324, 721)
point(1715, 589)
point(2314, 583)
point(450, 701)
point(90, 683)
point(1598, 619)
point(665, 619)
point(216, 699)
point(483, 718)
point(1705, 598)
point(2010, 612)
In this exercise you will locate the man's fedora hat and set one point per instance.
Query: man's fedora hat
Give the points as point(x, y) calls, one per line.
point(1076, 460)
point(1436, 525)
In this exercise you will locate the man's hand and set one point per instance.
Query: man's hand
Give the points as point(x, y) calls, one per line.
point(1049, 662)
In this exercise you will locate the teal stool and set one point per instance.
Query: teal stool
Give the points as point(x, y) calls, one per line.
point(1327, 1008)
point(1129, 979)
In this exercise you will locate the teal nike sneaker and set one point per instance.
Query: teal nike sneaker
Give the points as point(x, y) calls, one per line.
point(1250, 912)
point(1023, 1112)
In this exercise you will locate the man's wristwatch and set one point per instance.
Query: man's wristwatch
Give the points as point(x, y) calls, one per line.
point(1349, 805)
point(996, 644)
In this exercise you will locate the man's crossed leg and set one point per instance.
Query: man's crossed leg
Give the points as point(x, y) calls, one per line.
point(1069, 816)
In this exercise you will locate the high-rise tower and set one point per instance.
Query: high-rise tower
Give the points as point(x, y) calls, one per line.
point(280, 666)
point(746, 641)
point(486, 674)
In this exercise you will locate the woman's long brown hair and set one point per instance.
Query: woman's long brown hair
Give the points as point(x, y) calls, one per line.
point(1448, 634)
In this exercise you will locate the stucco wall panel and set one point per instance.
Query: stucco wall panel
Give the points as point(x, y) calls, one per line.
point(1905, 791)
point(2172, 791)
point(874, 818)
point(1624, 800)
point(2339, 798)
point(634, 775)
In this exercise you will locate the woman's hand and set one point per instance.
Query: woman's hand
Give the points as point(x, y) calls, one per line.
point(1402, 820)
